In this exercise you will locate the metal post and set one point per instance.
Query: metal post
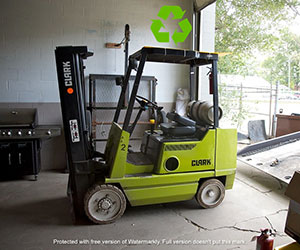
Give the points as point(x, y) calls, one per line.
point(275, 110)
point(153, 86)
point(240, 104)
point(195, 46)
point(198, 45)
point(194, 30)
point(91, 108)
point(127, 39)
point(215, 94)
point(197, 73)
point(289, 72)
point(134, 91)
point(126, 50)
point(270, 109)
point(90, 93)
point(192, 83)
point(123, 93)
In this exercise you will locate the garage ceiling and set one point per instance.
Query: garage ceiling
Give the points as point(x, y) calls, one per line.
point(201, 4)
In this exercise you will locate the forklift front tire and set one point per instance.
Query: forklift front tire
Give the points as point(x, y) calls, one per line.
point(211, 193)
point(104, 204)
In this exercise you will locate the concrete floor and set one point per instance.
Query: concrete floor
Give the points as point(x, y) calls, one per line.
point(35, 214)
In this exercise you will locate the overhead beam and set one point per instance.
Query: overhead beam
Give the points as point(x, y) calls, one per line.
point(201, 4)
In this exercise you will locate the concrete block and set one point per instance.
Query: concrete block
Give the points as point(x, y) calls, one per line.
point(8, 96)
point(7, 60)
point(29, 75)
point(85, 4)
point(71, 10)
point(49, 91)
point(30, 96)
point(8, 74)
point(4, 85)
point(42, 40)
point(14, 35)
point(2, 36)
point(19, 85)
point(49, 75)
point(91, 42)
point(56, 8)
point(47, 60)
point(28, 58)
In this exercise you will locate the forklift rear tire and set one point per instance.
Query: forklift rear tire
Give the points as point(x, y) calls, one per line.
point(104, 203)
point(211, 193)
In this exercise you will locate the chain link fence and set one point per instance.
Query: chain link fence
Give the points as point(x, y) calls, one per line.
point(242, 104)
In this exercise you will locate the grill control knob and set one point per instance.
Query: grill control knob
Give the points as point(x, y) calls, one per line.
point(9, 133)
point(29, 133)
point(19, 133)
point(49, 132)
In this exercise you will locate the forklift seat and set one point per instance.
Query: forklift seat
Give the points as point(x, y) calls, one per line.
point(183, 121)
point(182, 126)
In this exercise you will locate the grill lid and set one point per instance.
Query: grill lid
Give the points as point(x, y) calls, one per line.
point(18, 117)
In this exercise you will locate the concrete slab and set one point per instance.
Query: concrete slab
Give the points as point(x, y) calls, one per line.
point(262, 182)
point(35, 215)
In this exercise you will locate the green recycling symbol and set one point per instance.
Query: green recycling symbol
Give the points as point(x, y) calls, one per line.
point(157, 24)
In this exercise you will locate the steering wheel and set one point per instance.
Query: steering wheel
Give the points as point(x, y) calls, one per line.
point(144, 102)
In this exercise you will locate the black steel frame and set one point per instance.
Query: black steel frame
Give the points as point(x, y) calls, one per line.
point(152, 54)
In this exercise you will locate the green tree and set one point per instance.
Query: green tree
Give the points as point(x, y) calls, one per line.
point(247, 29)
point(283, 62)
point(244, 27)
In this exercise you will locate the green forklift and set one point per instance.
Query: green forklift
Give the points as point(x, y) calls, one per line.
point(184, 158)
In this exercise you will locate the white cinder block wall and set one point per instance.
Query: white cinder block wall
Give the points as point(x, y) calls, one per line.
point(31, 29)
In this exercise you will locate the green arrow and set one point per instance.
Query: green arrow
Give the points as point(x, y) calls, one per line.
point(162, 37)
point(186, 27)
point(165, 11)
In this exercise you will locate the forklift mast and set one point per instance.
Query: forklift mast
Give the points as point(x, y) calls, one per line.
point(69, 63)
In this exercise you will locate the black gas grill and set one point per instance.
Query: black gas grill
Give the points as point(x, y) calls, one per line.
point(20, 142)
